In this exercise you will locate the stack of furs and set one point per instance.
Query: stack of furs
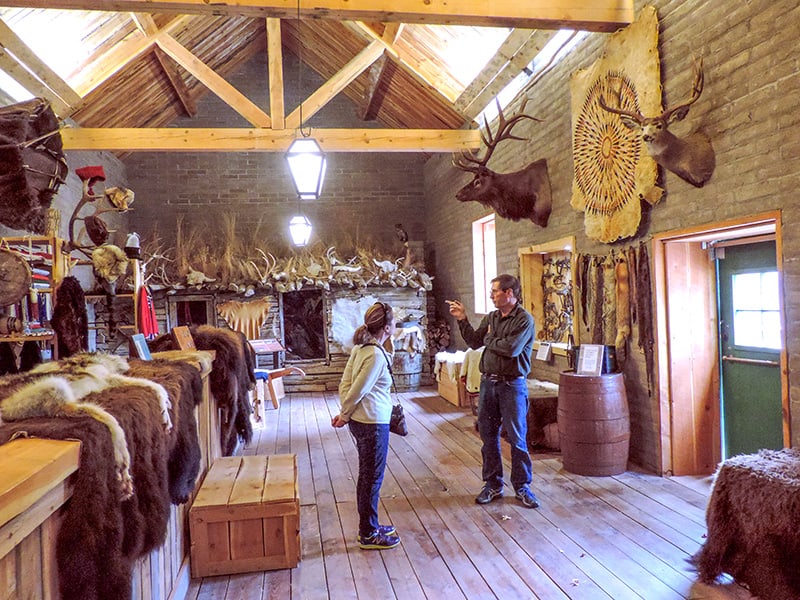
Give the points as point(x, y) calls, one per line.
point(752, 519)
point(232, 378)
point(32, 164)
point(139, 451)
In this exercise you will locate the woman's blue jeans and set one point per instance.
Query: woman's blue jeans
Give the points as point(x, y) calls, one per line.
point(504, 403)
point(372, 442)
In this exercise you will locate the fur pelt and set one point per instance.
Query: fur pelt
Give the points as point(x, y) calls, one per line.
point(185, 388)
point(53, 397)
point(100, 536)
point(8, 359)
point(752, 521)
point(27, 194)
point(90, 564)
point(70, 320)
point(232, 377)
point(30, 356)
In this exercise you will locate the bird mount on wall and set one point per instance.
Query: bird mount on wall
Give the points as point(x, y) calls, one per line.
point(519, 195)
point(690, 158)
point(612, 171)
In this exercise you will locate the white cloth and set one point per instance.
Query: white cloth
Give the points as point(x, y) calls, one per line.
point(472, 369)
point(448, 365)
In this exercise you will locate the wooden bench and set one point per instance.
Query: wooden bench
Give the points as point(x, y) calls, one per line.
point(246, 516)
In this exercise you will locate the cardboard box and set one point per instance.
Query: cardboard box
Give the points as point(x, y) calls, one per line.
point(246, 516)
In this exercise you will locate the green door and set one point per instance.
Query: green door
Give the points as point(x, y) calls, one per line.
point(750, 346)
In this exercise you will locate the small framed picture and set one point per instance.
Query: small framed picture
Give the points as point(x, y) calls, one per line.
point(544, 351)
point(140, 349)
point(590, 359)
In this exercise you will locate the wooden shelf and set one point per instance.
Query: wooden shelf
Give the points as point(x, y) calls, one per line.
point(45, 337)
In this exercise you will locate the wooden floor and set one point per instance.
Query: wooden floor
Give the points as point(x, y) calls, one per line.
point(617, 538)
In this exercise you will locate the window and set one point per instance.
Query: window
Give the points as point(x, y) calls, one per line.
point(484, 262)
point(756, 311)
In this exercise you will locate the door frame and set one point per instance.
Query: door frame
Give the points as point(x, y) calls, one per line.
point(687, 351)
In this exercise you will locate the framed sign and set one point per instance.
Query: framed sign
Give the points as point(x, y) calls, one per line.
point(183, 337)
point(140, 347)
point(544, 351)
point(590, 359)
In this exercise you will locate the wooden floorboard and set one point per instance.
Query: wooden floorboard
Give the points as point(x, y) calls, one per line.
point(594, 538)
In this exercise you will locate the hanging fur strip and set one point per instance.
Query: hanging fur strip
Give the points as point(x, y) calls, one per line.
point(630, 254)
point(623, 314)
point(70, 320)
point(598, 289)
point(644, 311)
point(609, 300)
point(585, 286)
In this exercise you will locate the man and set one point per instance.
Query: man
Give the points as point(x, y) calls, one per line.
point(507, 334)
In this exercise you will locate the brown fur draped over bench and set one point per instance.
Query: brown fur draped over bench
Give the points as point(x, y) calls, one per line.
point(753, 522)
point(232, 377)
point(101, 536)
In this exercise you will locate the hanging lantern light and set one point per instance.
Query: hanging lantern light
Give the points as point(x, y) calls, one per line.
point(307, 165)
point(300, 230)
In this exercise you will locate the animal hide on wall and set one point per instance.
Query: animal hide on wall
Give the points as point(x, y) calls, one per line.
point(32, 164)
point(100, 536)
point(613, 171)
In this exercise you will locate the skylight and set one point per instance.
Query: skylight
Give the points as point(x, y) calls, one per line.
point(557, 48)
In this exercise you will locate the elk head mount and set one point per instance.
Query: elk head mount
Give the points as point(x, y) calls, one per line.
point(523, 194)
point(690, 158)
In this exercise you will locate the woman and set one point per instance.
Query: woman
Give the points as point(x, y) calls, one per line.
point(366, 406)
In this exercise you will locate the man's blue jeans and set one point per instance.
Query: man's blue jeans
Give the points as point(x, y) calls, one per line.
point(506, 403)
point(372, 442)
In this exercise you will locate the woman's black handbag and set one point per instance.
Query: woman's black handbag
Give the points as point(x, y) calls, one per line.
point(397, 424)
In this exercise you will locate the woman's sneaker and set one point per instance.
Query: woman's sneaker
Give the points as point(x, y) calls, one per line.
point(378, 541)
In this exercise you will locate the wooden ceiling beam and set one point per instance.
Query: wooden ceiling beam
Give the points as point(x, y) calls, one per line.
point(208, 77)
point(147, 25)
point(275, 66)
point(366, 32)
point(357, 65)
point(268, 140)
point(589, 15)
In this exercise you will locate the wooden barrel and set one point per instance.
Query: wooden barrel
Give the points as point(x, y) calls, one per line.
point(407, 369)
point(593, 423)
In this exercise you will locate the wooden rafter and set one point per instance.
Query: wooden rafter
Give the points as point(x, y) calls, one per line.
point(366, 32)
point(229, 94)
point(275, 66)
point(268, 140)
point(357, 65)
point(370, 103)
point(589, 15)
point(147, 25)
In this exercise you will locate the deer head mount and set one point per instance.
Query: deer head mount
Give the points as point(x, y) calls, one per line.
point(523, 194)
point(690, 158)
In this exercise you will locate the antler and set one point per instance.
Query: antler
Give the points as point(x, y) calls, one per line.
point(697, 89)
point(468, 161)
point(636, 116)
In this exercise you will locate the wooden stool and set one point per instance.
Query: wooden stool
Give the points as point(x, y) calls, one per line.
point(273, 380)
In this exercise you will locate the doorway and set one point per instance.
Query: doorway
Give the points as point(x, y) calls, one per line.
point(688, 342)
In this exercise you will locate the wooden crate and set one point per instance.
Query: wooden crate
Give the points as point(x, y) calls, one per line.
point(453, 391)
point(246, 516)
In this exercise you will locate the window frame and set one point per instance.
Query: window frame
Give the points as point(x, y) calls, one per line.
point(484, 261)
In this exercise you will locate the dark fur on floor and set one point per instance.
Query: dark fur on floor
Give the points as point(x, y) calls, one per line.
point(752, 522)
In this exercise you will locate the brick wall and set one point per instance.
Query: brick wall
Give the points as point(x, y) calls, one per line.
point(364, 194)
point(749, 110)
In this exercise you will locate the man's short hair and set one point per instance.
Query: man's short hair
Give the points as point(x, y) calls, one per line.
point(509, 282)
